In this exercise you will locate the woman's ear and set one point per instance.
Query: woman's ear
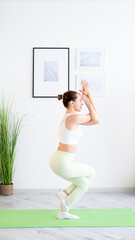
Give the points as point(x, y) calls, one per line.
point(71, 103)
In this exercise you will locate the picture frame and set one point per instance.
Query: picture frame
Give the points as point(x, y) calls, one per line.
point(95, 81)
point(90, 59)
point(50, 71)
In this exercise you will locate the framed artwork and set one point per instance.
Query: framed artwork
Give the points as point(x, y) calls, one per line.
point(50, 71)
point(89, 59)
point(95, 81)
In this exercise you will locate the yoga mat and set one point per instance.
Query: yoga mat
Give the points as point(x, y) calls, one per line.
point(36, 218)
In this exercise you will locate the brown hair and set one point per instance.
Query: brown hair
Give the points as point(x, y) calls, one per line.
point(67, 97)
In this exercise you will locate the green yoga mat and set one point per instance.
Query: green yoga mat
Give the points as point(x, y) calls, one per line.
point(47, 218)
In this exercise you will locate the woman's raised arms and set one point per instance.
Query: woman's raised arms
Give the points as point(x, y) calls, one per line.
point(91, 122)
point(82, 119)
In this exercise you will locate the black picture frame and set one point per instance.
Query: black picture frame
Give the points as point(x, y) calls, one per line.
point(51, 66)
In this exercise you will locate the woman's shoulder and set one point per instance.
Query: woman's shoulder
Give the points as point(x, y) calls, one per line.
point(71, 119)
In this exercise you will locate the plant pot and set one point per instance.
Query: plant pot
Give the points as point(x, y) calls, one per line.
point(6, 190)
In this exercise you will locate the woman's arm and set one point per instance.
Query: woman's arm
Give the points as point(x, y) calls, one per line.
point(93, 114)
point(92, 111)
point(91, 99)
point(87, 91)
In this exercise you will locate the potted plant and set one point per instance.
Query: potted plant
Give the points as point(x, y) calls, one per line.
point(10, 126)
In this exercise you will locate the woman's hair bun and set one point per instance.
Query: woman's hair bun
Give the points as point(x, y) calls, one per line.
point(59, 96)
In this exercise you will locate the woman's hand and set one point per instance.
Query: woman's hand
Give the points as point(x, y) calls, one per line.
point(85, 88)
point(84, 98)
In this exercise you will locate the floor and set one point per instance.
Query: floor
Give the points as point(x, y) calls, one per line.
point(47, 199)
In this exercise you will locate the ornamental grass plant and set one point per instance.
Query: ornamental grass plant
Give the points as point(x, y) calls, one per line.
point(10, 126)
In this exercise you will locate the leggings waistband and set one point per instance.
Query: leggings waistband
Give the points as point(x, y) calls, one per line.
point(65, 153)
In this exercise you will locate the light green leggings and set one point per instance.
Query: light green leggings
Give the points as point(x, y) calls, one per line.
point(79, 174)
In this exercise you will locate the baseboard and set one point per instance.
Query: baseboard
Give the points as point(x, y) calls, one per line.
point(96, 190)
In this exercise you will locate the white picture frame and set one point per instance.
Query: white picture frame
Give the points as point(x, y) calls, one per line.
point(90, 59)
point(95, 81)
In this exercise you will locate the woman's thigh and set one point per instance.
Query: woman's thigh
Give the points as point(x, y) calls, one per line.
point(63, 165)
point(76, 169)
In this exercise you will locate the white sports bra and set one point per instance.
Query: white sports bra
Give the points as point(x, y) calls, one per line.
point(68, 136)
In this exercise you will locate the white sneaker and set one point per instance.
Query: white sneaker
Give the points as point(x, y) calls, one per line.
point(62, 215)
point(62, 197)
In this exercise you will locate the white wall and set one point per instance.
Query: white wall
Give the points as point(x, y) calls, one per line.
point(109, 146)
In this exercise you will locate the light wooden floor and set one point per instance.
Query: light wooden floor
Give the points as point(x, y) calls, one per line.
point(47, 199)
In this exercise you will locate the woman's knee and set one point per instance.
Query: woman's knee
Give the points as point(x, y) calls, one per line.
point(83, 183)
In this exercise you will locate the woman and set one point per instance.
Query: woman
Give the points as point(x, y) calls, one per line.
point(70, 132)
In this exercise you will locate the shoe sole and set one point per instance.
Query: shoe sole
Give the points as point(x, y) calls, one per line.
point(66, 217)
